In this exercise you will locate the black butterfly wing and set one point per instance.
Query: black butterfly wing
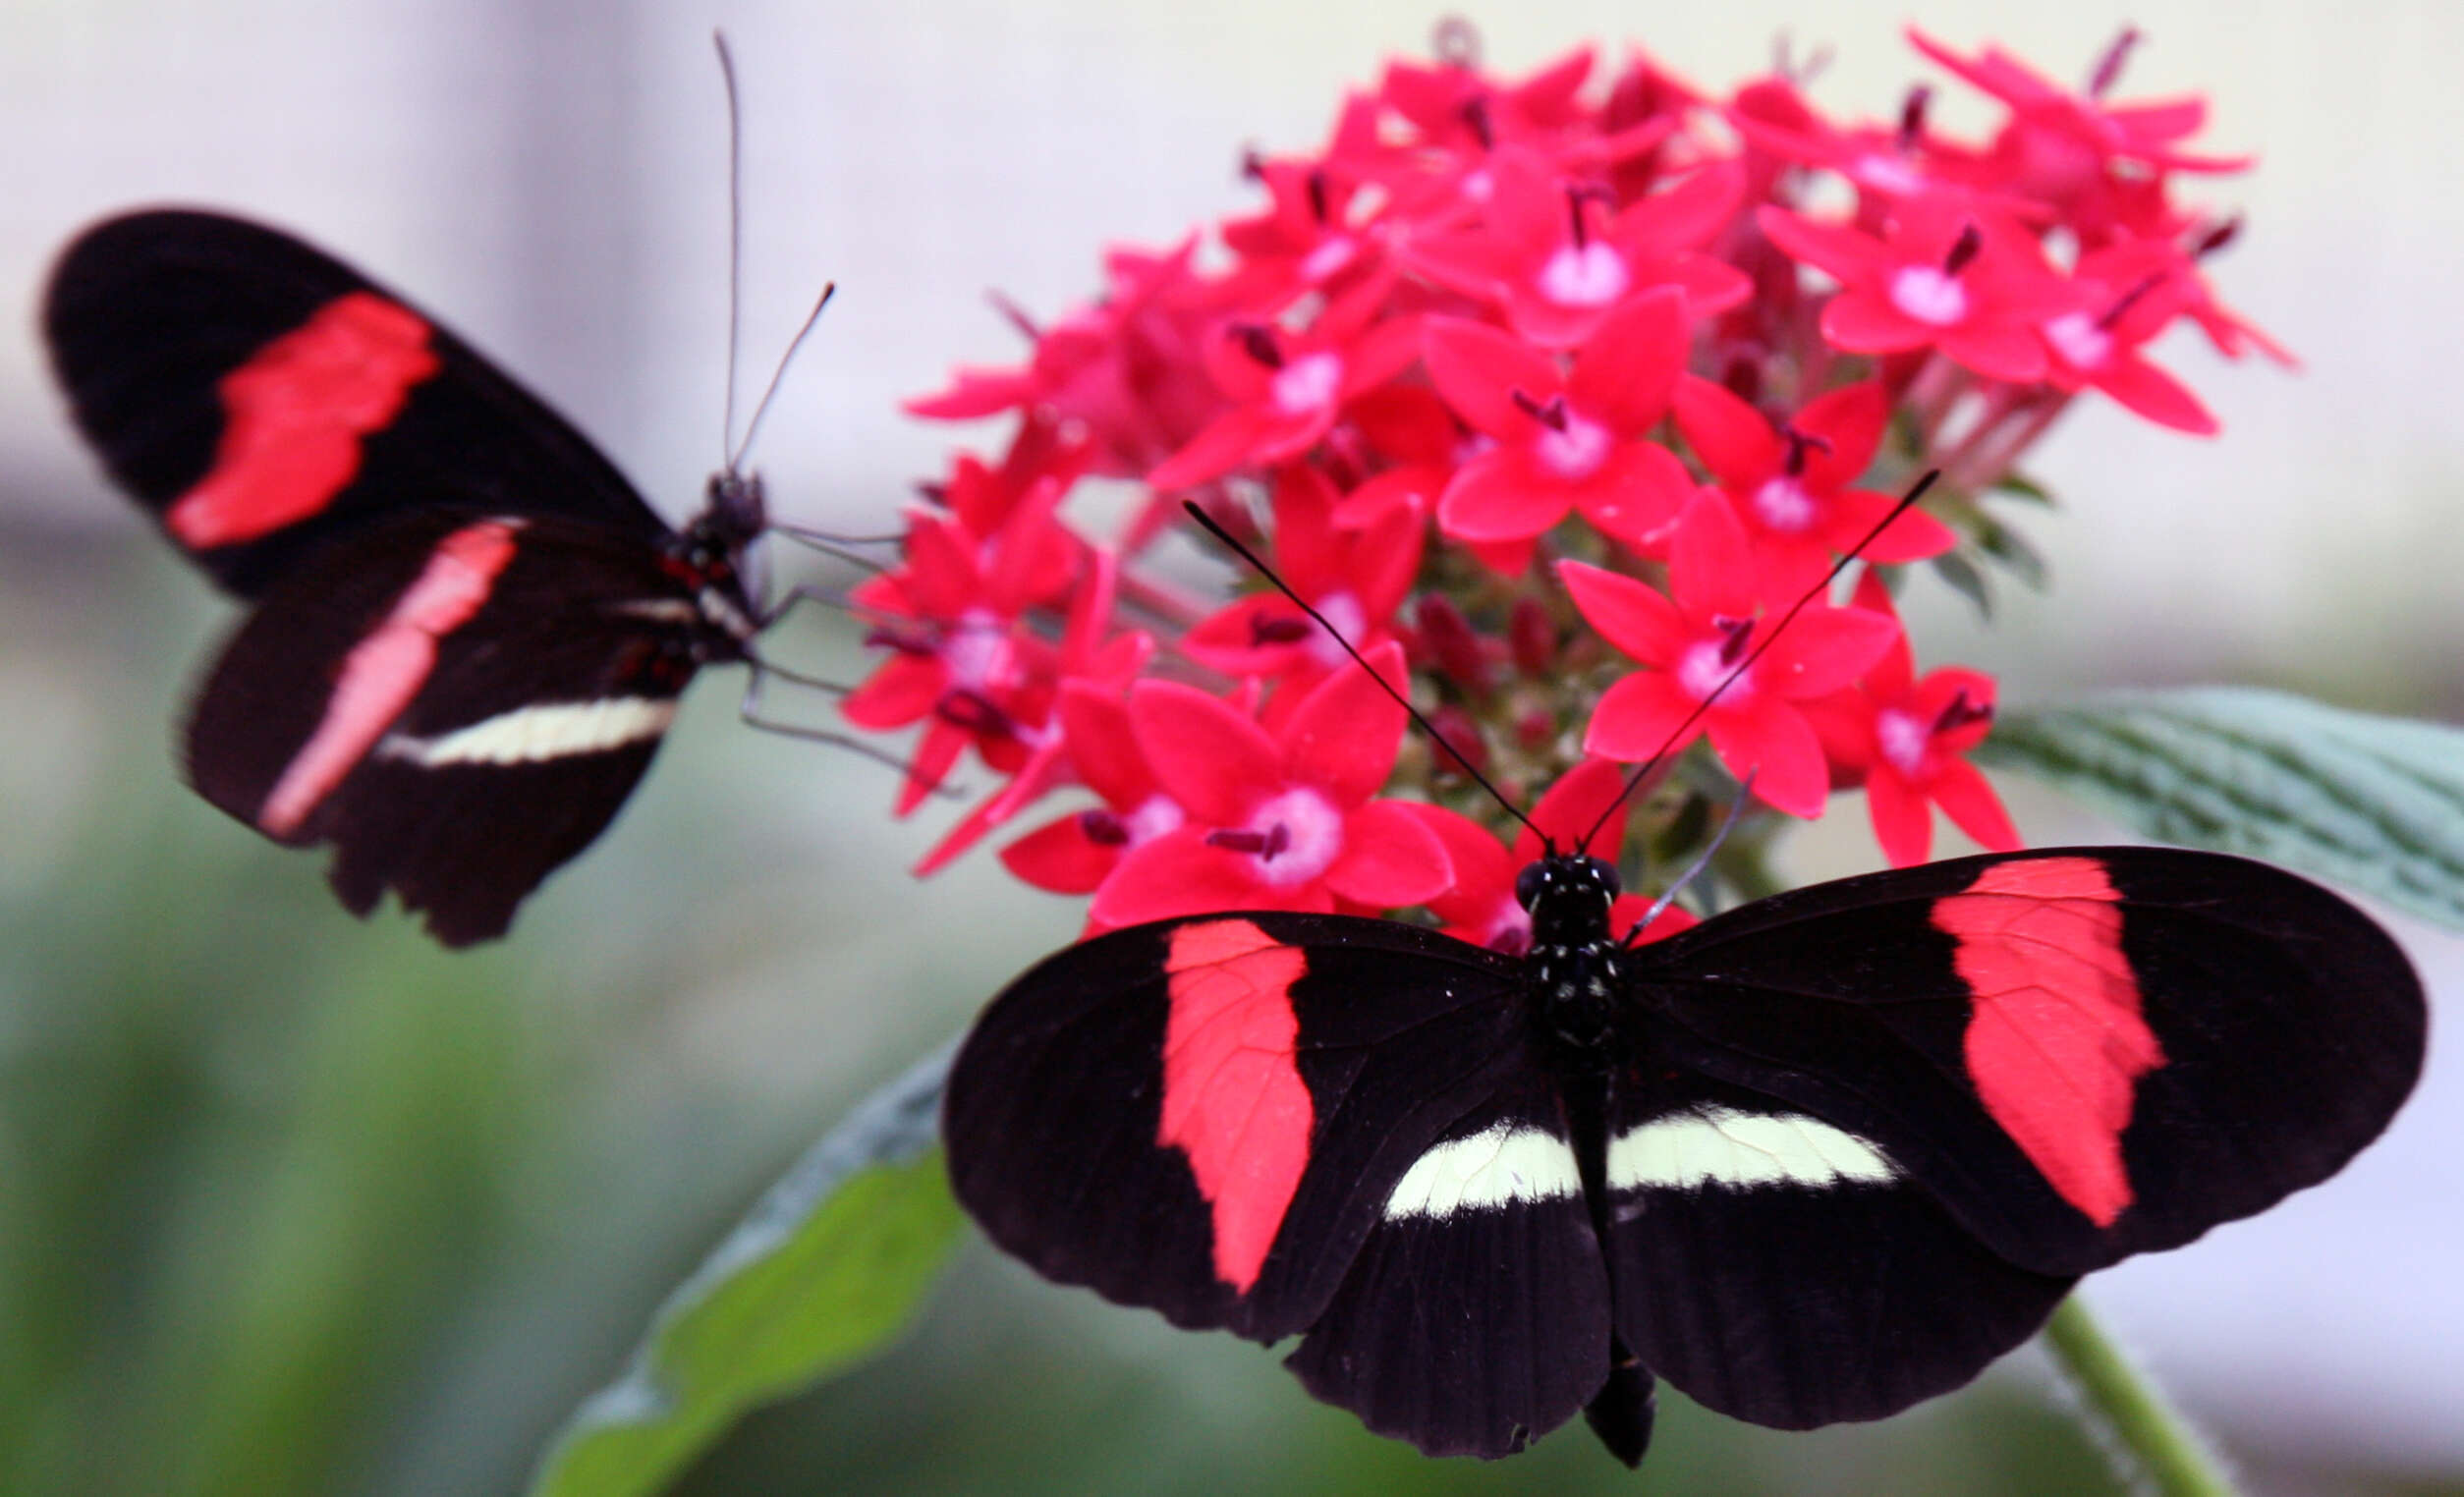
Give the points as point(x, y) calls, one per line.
point(1783, 1270)
point(2081, 1053)
point(261, 398)
point(457, 702)
point(1278, 1122)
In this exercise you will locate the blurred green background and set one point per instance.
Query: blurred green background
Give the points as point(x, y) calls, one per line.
point(295, 1204)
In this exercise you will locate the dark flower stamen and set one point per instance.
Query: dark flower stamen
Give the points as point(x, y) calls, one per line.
point(1799, 443)
point(1102, 828)
point(1551, 415)
point(1963, 249)
point(1259, 340)
point(1734, 635)
point(1263, 845)
point(2130, 299)
point(1960, 712)
point(1316, 188)
point(2108, 69)
point(1912, 111)
point(975, 713)
point(2216, 238)
point(1264, 631)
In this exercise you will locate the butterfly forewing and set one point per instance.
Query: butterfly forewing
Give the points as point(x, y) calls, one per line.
point(260, 398)
point(1210, 1116)
point(459, 702)
point(2082, 1053)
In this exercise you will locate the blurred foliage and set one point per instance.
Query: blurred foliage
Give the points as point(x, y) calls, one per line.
point(290, 1203)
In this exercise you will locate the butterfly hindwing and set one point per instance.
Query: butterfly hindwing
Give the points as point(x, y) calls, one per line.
point(1209, 1116)
point(1780, 1269)
point(261, 398)
point(1475, 1315)
point(459, 702)
point(2082, 1053)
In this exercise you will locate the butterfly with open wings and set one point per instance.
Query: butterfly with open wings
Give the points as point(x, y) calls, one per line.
point(1816, 1158)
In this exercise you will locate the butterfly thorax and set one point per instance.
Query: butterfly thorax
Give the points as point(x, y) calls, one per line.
point(709, 556)
point(1576, 966)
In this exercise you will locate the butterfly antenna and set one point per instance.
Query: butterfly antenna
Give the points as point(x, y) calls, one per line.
point(1320, 619)
point(770, 390)
point(735, 244)
point(1694, 870)
point(1772, 635)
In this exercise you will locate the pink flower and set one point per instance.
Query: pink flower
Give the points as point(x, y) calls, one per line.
point(2102, 165)
point(1945, 276)
point(1356, 578)
point(1075, 854)
point(1552, 256)
point(1286, 820)
point(1125, 366)
point(1564, 442)
point(1905, 737)
point(2133, 291)
point(1287, 389)
point(1696, 637)
point(1790, 483)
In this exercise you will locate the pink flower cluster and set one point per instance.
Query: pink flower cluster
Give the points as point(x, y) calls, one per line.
point(1554, 394)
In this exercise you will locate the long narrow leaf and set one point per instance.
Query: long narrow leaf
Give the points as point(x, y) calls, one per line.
point(827, 1266)
point(2374, 803)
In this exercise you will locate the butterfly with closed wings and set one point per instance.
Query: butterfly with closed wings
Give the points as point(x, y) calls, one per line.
point(1814, 1159)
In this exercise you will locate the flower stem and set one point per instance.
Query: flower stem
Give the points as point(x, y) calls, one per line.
point(2170, 1455)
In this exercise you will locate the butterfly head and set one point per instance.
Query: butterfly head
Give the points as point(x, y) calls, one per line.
point(1568, 895)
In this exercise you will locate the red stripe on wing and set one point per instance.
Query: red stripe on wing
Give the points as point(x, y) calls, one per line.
point(387, 668)
point(294, 416)
point(2056, 1041)
point(1233, 1098)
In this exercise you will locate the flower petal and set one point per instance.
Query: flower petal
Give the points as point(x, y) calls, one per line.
point(1061, 858)
point(1102, 749)
point(1967, 797)
point(1635, 717)
point(1903, 820)
point(1390, 859)
point(1624, 372)
point(1710, 566)
point(1772, 742)
point(1629, 614)
point(1496, 497)
point(1477, 368)
point(1203, 753)
point(900, 689)
point(1574, 806)
point(1731, 437)
point(1343, 737)
point(1824, 650)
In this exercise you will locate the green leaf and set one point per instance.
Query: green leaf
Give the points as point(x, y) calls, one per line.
point(1956, 569)
point(2374, 803)
point(828, 1265)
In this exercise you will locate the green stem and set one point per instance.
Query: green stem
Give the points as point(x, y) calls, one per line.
point(2175, 1459)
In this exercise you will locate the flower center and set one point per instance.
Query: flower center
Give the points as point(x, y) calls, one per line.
point(1584, 275)
point(1887, 174)
point(1930, 294)
point(977, 653)
point(1327, 258)
point(1308, 384)
point(1902, 739)
point(1575, 449)
point(1782, 503)
point(1292, 838)
point(1704, 665)
point(1350, 620)
point(2076, 337)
